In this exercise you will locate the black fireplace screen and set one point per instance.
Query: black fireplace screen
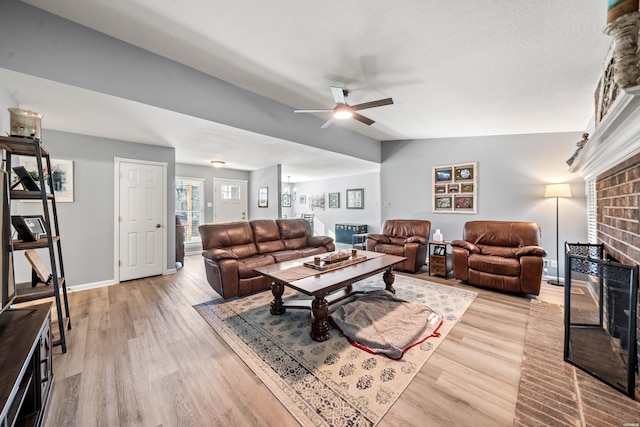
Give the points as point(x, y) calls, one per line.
point(600, 316)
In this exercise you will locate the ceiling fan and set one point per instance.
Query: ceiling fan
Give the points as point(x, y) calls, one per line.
point(342, 110)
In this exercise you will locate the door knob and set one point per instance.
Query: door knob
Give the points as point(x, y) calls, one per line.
point(158, 226)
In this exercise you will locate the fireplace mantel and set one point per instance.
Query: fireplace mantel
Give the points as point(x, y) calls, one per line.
point(615, 140)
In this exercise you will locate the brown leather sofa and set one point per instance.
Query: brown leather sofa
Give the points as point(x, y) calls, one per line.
point(500, 255)
point(403, 237)
point(232, 250)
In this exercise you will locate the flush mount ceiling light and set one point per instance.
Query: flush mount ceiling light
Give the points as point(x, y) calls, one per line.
point(217, 163)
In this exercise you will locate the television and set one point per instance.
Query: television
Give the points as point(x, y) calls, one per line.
point(7, 281)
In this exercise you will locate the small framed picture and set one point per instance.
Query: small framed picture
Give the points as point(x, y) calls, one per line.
point(443, 202)
point(355, 198)
point(303, 200)
point(263, 197)
point(453, 188)
point(443, 174)
point(36, 225)
point(439, 250)
point(334, 200)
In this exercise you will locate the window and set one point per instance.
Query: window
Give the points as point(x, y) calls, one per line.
point(230, 192)
point(592, 220)
point(189, 206)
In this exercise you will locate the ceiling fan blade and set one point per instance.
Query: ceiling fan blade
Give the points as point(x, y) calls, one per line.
point(338, 94)
point(366, 120)
point(328, 123)
point(372, 104)
point(312, 111)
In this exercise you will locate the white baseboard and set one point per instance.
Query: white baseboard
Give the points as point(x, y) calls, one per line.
point(87, 286)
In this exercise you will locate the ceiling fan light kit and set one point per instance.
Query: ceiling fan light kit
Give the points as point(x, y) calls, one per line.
point(342, 110)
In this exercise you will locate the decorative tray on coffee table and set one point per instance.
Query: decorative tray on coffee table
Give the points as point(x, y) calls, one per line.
point(335, 260)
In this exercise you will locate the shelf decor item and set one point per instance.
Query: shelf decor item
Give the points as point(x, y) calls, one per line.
point(455, 188)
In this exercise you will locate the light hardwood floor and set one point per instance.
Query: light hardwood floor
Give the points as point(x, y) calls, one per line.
point(140, 355)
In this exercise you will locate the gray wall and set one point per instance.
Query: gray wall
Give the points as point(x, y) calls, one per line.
point(270, 178)
point(208, 173)
point(87, 224)
point(512, 173)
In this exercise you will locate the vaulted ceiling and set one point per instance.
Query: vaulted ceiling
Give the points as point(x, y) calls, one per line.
point(463, 68)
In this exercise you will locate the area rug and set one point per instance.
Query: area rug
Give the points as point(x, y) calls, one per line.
point(328, 383)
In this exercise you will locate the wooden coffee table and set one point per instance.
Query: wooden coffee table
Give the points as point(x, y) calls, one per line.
point(327, 287)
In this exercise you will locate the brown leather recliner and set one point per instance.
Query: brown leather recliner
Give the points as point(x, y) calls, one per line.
point(403, 237)
point(501, 255)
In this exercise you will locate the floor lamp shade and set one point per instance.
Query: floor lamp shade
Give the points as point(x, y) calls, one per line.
point(557, 191)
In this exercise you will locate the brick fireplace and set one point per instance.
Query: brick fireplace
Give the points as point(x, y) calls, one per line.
point(611, 158)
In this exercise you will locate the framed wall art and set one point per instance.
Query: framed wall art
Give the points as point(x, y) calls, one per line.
point(303, 200)
point(263, 197)
point(334, 200)
point(355, 198)
point(455, 188)
point(61, 175)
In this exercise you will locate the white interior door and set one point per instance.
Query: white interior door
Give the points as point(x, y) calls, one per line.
point(141, 214)
point(230, 200)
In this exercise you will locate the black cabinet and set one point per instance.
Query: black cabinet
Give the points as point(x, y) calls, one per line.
point(344, 232)
point(26, 376)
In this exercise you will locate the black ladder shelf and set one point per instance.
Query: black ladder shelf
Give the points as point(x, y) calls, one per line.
point(18, 146)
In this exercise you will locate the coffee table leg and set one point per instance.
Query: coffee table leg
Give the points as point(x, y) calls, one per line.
point(320, 326)
point(389, 277)
point(277, 289)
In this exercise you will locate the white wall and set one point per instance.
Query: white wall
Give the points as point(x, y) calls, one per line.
point(512, 173)
point(326, 219)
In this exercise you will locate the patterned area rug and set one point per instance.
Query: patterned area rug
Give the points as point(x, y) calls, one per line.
point(328, 383)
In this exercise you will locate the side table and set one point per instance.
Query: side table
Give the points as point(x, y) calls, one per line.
point(440, 262)
point(359, 241)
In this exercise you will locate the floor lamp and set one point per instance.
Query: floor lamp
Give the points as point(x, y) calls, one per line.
point(557, 191)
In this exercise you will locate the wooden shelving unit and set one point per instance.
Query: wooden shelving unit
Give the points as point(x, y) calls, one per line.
point(56, 288)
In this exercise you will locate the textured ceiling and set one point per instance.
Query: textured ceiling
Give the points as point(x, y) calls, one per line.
point(462, 68)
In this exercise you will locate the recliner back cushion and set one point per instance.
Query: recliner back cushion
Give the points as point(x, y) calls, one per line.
point(236, 237)
point(294, 232)
point(266, 235)
point(403, 228)
point(502, 233)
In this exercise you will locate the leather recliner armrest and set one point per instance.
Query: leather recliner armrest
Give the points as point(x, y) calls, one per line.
point(317, 241)
point(381, 238)
point(416, 239)
point(530, 250)
point(466, 245)
point(216, 254)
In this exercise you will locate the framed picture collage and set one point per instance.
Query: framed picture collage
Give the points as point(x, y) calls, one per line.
point(455, 188)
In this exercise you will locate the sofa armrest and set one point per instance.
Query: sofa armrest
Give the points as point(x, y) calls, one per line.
point(216, 254)
point(317, 241)
point(416, 239)
point(466, 245)
point(381, 238)
point(530, 250)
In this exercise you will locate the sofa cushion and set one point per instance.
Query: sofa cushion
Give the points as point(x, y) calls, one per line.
point(294, 233)
point(390, 249)
point(313, 251)
point(236, 237)
point(266, 236)
point(495, 264)
point(403, 228)
point(498, 251)
point(246, 265)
